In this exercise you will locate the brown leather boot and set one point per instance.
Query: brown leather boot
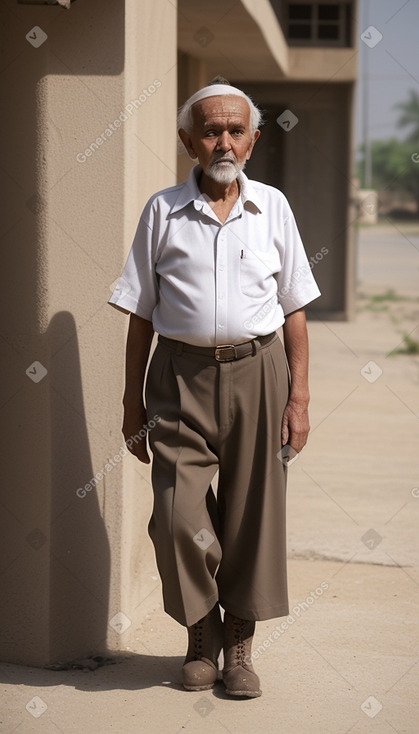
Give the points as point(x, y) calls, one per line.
point(238, 675)
point(205, 640)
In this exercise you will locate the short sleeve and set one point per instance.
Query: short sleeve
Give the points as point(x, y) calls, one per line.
point(137, 289)
point(296, 284)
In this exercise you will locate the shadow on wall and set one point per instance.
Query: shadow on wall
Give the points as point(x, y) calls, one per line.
point(79, 550)
point(54, 551)
point(55, 555)
point(89, 40)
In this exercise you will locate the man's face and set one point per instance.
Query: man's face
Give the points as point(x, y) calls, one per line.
point(220, 137)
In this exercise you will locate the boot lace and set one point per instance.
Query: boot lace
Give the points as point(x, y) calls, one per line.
point(197, 640)
point(239, 634)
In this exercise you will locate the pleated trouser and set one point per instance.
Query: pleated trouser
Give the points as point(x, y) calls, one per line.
point(231, 547)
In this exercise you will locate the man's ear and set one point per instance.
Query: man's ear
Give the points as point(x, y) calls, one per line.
point(187, 142)
point(252, 144)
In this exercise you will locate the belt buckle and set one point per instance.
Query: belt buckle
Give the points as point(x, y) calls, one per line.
point(225, 353)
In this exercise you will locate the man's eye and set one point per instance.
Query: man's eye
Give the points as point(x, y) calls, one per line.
point(210, 133)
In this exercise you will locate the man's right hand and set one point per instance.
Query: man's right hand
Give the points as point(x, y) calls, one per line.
point(140, 335)
point(133, 429)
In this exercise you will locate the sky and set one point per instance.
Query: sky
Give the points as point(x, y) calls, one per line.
point(387, 70)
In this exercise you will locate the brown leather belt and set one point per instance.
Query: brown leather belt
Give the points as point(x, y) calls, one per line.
point(223, 352)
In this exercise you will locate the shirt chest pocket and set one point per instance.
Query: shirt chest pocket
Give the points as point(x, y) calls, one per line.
point(256, 270)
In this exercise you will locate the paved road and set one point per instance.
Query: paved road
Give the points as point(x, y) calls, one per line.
point(389, 258)
point(352, 492)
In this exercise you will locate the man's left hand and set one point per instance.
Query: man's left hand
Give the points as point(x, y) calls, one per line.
point(295, 425)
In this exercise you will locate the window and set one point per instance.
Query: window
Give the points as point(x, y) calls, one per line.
point(318, 23)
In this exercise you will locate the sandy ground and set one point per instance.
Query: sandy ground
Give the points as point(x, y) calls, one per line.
point(346, 659)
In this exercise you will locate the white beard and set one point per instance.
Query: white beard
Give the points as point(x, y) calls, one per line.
point(224, 173)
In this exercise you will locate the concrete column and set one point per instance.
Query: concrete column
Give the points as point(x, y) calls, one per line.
point(91, 101)
point(192, 75)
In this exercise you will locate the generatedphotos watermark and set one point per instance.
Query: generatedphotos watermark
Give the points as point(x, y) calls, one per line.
point(260, 315)
point(295, 613)
point(123, 116)
point(293, 281)
point(301, 272)
point(111, 463)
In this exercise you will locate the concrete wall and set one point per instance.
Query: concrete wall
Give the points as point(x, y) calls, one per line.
point(192, 75)
point(241, 36)
point(71, 563)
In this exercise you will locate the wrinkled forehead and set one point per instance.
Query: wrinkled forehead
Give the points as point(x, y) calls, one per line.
point(221, 108)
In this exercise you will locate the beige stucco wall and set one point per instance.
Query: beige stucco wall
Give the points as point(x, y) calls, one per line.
point(72, 563)
point(322, 64)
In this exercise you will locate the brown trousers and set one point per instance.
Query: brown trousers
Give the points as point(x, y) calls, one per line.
point(226, 416)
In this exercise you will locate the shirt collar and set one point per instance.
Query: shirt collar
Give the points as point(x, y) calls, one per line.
point(190, 192)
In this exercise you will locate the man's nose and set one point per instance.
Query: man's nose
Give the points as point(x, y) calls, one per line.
point(223, 142)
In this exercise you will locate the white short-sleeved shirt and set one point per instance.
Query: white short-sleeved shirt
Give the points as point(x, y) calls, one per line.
point(208, 283)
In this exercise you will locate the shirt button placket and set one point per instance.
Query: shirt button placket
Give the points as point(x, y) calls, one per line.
point(221, 287)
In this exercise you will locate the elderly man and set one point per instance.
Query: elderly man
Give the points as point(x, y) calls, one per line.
point(216, 267)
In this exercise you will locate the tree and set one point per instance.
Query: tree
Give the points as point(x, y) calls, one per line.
point(395, 163)
point(410, 116)
point(393, 167)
